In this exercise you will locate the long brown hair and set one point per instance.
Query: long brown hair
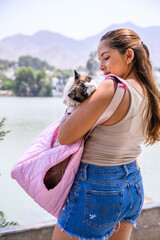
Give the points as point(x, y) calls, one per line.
point(122, 39)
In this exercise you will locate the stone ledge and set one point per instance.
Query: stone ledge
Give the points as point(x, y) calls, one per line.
point(148, 227)
point(24, 228)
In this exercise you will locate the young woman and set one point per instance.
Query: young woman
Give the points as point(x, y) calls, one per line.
point(107, 194)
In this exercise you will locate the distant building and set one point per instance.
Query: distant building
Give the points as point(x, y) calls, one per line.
point(10, 73)
point(58, 86)
point(49, 72)
point(6, 93)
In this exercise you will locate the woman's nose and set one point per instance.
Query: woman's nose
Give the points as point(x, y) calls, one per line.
point(102, 67)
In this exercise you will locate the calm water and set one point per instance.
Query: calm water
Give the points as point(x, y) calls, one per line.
point(26, 118)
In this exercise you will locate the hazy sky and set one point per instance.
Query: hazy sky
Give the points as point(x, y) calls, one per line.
point(74, 18)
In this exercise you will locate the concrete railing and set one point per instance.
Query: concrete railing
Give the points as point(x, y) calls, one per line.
point(148, 224)
point(148, 227)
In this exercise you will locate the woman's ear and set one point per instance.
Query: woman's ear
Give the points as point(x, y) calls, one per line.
point(129, 55)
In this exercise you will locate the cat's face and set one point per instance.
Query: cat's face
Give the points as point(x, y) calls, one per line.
point(83, 86)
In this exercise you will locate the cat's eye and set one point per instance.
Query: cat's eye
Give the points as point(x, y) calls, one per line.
point(88, 80)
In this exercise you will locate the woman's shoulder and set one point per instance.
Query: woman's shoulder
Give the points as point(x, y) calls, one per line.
point(106, 89)
point(139, 88)
point(107, 85)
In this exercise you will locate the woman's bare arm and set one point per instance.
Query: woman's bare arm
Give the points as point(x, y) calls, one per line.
point(86, 114)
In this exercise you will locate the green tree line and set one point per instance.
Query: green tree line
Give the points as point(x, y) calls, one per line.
point(31, 78)
point(5, 64)
point(26, 61)
point(35, 63)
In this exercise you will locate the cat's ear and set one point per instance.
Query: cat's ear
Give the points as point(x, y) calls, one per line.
point(76, 75)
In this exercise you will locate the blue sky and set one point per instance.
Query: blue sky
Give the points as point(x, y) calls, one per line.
point(74, 18)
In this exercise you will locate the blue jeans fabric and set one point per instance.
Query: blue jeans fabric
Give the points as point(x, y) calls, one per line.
point(100, 198)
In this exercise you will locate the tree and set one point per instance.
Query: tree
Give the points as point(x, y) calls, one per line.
point(35, 63)
point(8, 84)
point(32, 83)
point(25, 81)
point(44, 84)
point(5, 64)
point(63, 74)
point(2, 75)
point(92, 64)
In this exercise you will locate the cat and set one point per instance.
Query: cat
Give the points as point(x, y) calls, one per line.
point(77, 90)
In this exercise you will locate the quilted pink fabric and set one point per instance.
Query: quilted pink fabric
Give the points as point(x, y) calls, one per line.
point(30, 170)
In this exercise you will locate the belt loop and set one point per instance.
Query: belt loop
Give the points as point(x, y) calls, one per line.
point(126, 170)
point(85, 171)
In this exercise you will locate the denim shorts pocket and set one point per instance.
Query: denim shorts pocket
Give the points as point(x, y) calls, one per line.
point(102, 207)
point(139, 196)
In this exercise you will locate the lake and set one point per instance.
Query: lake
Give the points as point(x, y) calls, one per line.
point(26, 118)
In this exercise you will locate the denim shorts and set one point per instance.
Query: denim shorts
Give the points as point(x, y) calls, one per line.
point(100, 198)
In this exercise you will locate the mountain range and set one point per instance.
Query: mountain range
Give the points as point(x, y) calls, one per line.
point(63, 52)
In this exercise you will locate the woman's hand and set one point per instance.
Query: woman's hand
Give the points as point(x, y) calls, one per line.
point(81, 120)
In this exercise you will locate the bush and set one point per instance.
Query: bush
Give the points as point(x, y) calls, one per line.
point(4, 222)
point(8, 84)
point(2, 132)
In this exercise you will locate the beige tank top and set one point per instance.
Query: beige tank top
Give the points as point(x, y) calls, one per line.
point(119, 143)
